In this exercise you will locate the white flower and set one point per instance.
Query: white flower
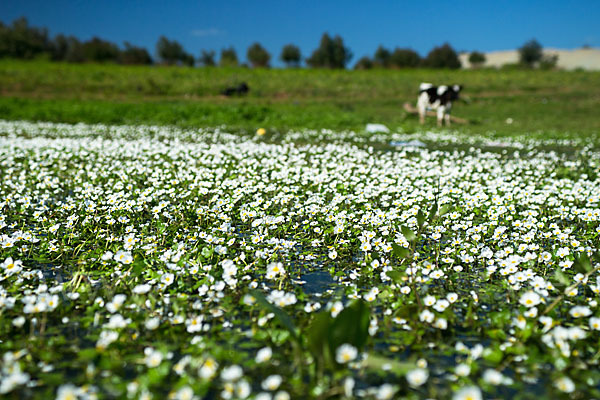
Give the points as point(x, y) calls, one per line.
point(12, 267)
point(336, 308)
point(208, 369)
point(547, 322)
point(462, 370)
point(274, 270)
point(152, 323)
point(333, 254)
point(371, 295)
point(565, 384)
point(531, 313)
point(243, 389)
point(580, 311)
point(124, 257)
point(13, 379)
point(345, 353)
point(185, 393)
point(167, 279)
point(492, 377)
point(263, 355)
point(271, 383)
point(426, 316)
point(576, 333)
point(117, 321)
point(281, 395)
point(153, 357)
point(194, 324)
point(530, 299)
point(595, 323)
point(441, 323)
point(68, 391)
point(468, 393)
point(441, 305)
point(417, 377)
point(116, 303)
point(385, 392)
point(429, 300)
point(563, 252)
point(142, 289)
point(232, 373)
point(248, 299)
point(106, 338)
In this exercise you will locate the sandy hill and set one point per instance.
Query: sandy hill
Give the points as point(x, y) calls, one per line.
point(585, 58)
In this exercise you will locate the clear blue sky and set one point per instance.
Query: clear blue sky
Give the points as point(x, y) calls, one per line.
point(467, 25)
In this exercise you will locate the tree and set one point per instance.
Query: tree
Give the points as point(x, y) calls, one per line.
point(98, 50)
point(290, 55)
point(476, 59)
point(59, 47)
point(404, 58)
point(442, 57)
point(258, 56)
point(228, 58)
point(548, 61)
point(187, 59)
point(135, 55)
point(74, 50)
point(530, 53)
point(22, 41)
point(364, 63)
point(382, 57)
point(207, 58)
point(331, 53)
point(171, 52)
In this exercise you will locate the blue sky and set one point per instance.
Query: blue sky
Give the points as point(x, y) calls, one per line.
point(467, 25)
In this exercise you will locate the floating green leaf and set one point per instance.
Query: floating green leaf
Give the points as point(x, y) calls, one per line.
point(408, 233)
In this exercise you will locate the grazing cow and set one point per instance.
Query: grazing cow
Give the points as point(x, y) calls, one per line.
point(240, 89)
point(437, 98)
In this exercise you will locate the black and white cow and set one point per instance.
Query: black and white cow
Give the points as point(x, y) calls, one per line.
point(437, 98)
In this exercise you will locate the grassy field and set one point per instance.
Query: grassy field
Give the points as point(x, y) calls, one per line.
point(543, 103)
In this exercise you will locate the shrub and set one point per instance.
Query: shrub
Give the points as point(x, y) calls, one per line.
point(207, 58)
point(530, 53)
point(549, 61)
point(135, 55)
point(66, 48)
point(405, 58)
point(476, 59)
point(290, 55)
point(331, 53)
point(364, 63)
point(258, 56)
point(171, 52)
point(98, 50)
point(382, 57)
point(228, 58)
point(442, 57)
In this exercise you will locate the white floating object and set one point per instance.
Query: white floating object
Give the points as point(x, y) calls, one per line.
point(375, 128)
point(404, 143)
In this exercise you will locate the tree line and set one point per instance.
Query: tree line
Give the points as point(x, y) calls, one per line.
point(22, 41)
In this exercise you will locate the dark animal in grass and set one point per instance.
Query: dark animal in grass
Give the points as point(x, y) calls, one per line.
point(438, 98)
point(238, 90)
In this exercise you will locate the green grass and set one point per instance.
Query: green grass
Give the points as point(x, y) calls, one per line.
point(554, 103)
